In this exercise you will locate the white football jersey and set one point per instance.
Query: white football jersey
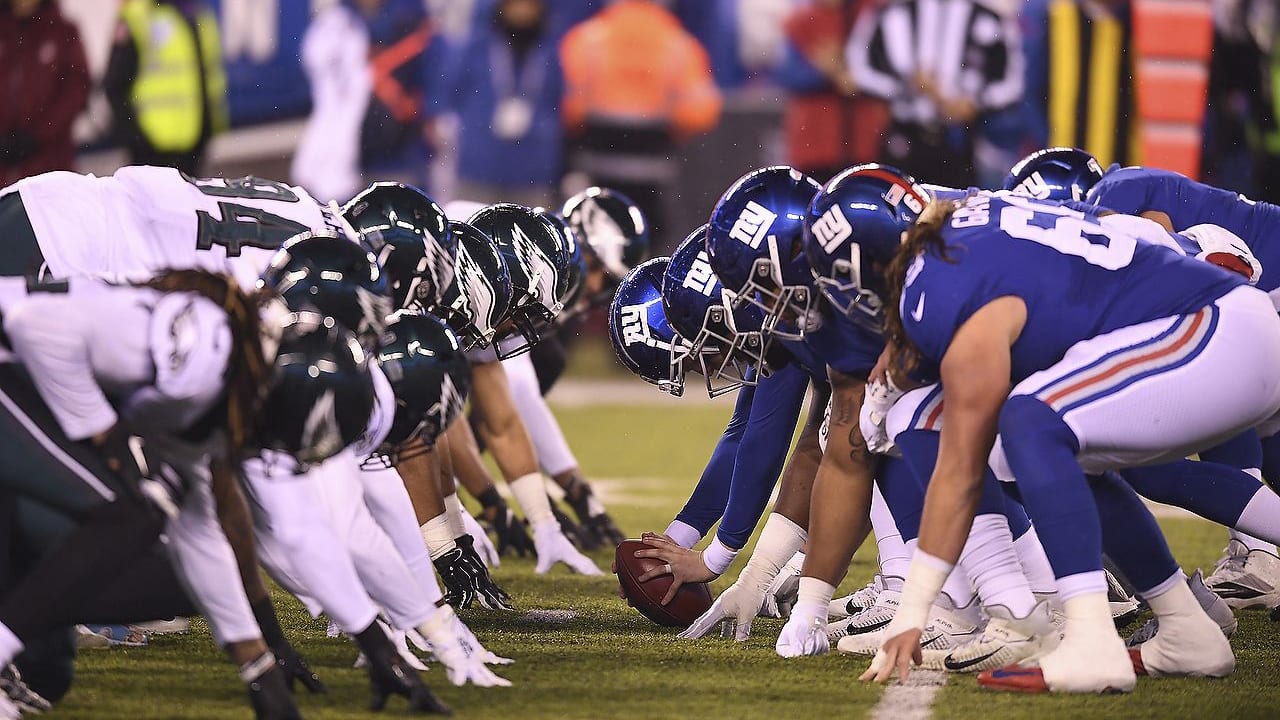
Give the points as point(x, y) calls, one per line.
point(144, 219)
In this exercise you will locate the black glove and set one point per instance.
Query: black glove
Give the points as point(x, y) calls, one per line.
point(16, 146)
point(389, 675)
point(269, 695)
point(571, 530)
point(466, 579)
point(510, 531)
point(600, 528)
point(293, 665)
point(142, 469)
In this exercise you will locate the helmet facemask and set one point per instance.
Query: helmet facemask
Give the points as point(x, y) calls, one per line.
point(787, 308)
point(848, 294)
point(722, 353)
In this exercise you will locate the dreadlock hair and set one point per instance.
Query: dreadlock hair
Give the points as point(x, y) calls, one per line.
point(924, 236)
point(248, 373)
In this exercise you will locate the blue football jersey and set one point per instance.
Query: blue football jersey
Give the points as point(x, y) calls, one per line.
point(836, 343)
point(1133, 190)
point(1077, 278)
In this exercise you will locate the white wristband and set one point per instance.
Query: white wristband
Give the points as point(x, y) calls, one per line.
point(924, 581)
point(815, 592)
point(683, 534)
point(718, 556)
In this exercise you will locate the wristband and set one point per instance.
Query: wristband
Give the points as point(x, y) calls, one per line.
point(924, 581)
point(254, 669)
point(718, 556)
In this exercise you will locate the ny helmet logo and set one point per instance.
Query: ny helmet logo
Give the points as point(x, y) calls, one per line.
point(832, 229)
point(701, 277)
point(753, 224)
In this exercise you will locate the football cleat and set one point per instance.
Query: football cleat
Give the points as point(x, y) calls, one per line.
point(948, 629)
point(1125, 608)
point(26, 699)
point(856, 602)
point(1080, 667)
point(1246, 578)
point(1214, 606)
point(861, 634)
point(1006, 640)
point(1186, 645)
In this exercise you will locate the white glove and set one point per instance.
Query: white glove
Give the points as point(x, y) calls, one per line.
point(462, 631)
point(783, 591)
point(458, 652)
point(805, 632)
point(552, 547)
point(733, 611)
point(402, 647)
point(1224, 249)
point(480, 540)
point(879, 399)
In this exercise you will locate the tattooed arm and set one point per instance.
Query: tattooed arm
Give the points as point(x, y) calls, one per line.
point(841, 501)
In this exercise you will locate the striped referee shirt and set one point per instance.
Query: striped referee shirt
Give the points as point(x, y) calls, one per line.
point(967, 47)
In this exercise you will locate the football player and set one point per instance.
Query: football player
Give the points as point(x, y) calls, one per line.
point(115, 395)
point(1148, 311)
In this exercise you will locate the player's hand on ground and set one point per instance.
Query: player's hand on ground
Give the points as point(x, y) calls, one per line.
point(604, 529)
point(682, 564)
point(805, 632)
point(457, 649)
point(511, 531)
point(897, 653)
point(553, 547)
point(782, 593)
point(732, 612)
point(480, 539)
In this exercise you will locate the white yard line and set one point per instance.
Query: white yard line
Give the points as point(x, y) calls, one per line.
point(912, 700)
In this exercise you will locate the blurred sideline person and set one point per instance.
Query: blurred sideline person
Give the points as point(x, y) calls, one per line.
point(829, 124)
point(335, 53)
point(46, 81)
point(938, 85)
point(165, 82)
point(504, 82)
point(637, 85)
point(401, 44)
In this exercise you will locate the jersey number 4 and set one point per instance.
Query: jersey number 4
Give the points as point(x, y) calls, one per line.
point(242, 226)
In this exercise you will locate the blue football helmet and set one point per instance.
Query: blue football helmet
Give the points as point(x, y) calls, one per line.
point(1059, 173)
point(854, 227)
point(754, 240)
point(643, 339)
point(723, 338)
point(409, 235)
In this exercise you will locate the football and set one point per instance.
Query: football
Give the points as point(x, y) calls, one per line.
point(690, 602)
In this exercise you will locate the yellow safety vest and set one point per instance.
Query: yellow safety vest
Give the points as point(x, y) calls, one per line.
point(166, 93)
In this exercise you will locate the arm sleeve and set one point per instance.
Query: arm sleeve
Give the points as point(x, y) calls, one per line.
point(706, 503)
point(762, 452)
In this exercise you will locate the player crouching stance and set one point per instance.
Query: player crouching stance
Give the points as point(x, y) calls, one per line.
point(1093, 374)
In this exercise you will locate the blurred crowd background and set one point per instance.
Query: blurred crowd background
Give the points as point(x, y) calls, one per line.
point(666, 100)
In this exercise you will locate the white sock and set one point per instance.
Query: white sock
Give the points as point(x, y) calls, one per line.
point(895, 556)
point(439, 535)
point(1035, 566)
point(958, 588)
point(530, 492)
point(1088, 612)
point(991, 564)
point(1092, 582)
point(1261, 517)
point(453, 510)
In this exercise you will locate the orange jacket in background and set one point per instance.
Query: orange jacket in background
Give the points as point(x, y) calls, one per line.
point(633, 63)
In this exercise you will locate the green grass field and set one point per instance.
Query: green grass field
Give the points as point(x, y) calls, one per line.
point(609, 662)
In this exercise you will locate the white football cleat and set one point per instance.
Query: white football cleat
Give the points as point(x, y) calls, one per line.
point(949, 627)
point(1216, 608)
point(1246, 578)
point(863, 633)
point(856, 602)
point(1006, 640)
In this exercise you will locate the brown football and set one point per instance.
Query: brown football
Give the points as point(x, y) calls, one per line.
point(690, 602)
